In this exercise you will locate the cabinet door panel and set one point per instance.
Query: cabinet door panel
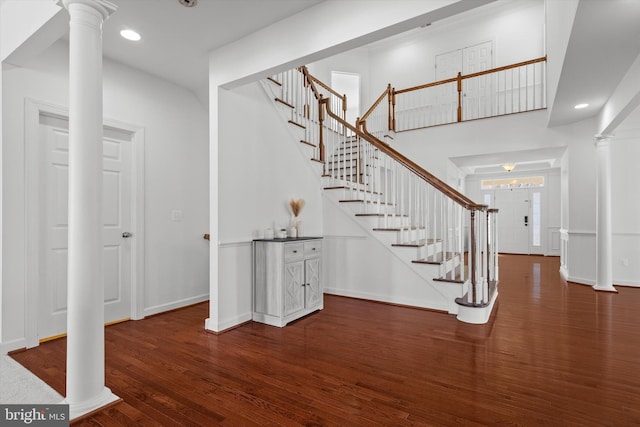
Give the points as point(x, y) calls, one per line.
point(293, 287)
point(313, 292)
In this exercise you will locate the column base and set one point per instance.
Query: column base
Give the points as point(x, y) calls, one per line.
point(605, 288)
point(78, 409)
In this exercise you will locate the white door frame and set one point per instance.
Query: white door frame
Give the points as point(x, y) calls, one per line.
point(33, 110)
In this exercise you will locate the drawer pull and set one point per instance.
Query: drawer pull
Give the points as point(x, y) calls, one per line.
point(295, 252)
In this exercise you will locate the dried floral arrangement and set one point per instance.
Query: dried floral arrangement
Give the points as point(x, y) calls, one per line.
point(296, 206)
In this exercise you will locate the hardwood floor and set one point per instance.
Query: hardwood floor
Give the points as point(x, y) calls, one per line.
point(554, 353)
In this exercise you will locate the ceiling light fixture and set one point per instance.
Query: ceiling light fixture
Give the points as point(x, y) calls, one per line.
point(509, 166)
point(580, 106)
point(188, 3)
point(130, 35)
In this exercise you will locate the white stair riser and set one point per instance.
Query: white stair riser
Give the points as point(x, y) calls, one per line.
point(395, 237)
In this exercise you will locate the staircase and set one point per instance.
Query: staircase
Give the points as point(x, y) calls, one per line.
point(443, 236)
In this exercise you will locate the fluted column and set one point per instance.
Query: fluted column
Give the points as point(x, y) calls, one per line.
point(86, 389)
point(604, 251)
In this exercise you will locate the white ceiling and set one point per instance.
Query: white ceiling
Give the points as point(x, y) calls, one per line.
point(605, 40)
point(176, 39)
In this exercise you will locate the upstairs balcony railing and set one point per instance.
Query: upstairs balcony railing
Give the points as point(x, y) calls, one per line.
point(499, 91)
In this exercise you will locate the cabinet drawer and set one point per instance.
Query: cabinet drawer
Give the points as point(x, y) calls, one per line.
point(312, 248)
point(293, 251)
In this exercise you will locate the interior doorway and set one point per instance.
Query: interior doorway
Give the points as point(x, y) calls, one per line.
point(46, 141)
point(348, 84)
point(54, 189)
point(476, 93)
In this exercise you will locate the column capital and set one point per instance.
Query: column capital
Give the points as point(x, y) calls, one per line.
point(601, 139)
point(105, 7)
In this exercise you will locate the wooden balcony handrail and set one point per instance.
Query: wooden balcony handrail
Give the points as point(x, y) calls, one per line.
point(506, 67)
point(468, 76)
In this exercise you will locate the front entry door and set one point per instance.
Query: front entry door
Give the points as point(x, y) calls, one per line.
point(513, 223)
point(519, 220)
point(53, 183)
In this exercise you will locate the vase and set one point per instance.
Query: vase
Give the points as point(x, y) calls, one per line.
point(268, 234)
point(299, 228)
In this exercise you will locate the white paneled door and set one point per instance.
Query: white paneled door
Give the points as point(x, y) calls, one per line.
point(54, 165)
point(520, 220)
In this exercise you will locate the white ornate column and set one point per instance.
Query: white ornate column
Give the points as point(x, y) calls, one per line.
point(604, 251)
point(86, 389)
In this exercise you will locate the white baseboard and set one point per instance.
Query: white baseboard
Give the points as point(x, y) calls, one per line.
point(213, 326)
point(440, 305)
point(149, 311)
point(580, 280)
point(6, 347)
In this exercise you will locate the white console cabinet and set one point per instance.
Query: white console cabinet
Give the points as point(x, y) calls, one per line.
point(287, 281)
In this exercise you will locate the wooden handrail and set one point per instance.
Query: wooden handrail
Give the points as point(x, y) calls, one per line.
point(506, 67)
point(424, 86)
point(386, 93)
point(313, 81)
point(468, 76)
point(438, 184)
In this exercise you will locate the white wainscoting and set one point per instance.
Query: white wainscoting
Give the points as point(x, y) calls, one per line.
point(553, 241)
point(236, 279)
point(626, 259)
point(578, 257)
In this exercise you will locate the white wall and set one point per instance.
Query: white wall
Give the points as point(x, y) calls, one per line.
point(261, 167)
point(358, 265)
point(176, 152)
point(625, 201)
point(515, 28)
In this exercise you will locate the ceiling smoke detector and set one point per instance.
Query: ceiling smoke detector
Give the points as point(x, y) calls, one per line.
point(188, 3)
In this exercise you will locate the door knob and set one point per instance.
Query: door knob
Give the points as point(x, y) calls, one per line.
point(126, 235)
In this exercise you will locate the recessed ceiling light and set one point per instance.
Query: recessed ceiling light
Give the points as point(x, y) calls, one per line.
point(130, 35)
point(580, 106)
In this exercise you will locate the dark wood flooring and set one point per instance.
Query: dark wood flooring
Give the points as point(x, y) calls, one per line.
point(554, 353)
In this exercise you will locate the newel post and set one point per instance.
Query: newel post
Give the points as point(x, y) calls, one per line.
point(472, 253)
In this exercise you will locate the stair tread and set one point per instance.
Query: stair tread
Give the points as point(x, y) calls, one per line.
point(274, 81)
point(296, 123)
point(344, 187)
point(283, 102)
point(308, 143)
point(365, 201)
point(398, 228)
point(381, 215)
point(458, 279)
point(420, 243)
point(438, 258)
